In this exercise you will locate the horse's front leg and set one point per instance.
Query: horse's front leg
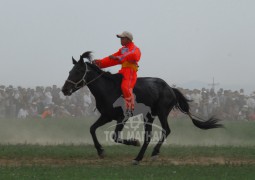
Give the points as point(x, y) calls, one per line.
point(116, 136)
point(100, 122)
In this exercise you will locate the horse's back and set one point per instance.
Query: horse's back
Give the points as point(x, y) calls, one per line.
point(150, 90)
point(150, 83)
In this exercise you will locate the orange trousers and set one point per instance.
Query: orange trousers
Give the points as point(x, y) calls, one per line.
point(128, 80)
point(127, 86)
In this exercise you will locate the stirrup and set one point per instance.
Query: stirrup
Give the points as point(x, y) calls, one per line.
point(129, 113)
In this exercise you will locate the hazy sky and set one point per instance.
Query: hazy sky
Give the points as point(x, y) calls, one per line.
point(181, 40)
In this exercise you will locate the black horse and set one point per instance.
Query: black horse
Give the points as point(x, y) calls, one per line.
point(152, 92)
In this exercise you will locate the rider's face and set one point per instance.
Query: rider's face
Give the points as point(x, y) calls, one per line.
point(124, 41)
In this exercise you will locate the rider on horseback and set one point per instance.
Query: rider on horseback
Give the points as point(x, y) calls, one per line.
point(128, 56)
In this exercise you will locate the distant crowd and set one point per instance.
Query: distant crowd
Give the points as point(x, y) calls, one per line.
point(225, 104)
point(46, 102)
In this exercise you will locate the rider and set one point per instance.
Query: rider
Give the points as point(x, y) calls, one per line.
point(128, 56)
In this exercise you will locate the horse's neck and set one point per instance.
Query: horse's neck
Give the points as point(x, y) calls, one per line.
point(98, 85)
point(103, 88)
point(95, 89)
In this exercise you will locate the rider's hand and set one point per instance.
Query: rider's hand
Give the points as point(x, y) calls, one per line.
point(96, 62)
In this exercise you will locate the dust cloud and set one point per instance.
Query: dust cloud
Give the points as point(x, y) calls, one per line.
point(76, 132)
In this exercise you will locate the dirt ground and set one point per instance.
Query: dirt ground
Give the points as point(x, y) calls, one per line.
point(205, 161)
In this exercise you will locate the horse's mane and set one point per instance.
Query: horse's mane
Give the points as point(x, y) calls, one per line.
point(107, 74)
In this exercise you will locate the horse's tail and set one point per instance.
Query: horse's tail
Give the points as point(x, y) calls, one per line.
point(183, 105)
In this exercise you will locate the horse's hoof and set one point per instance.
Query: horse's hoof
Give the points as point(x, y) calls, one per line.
point(137, 143)
point(154, 158)
point(135, 162)
point(101, 154)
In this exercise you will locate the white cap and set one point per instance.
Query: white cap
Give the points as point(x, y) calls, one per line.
point(125, 34)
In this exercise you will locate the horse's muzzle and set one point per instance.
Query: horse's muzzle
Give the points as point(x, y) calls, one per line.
point(67, 92)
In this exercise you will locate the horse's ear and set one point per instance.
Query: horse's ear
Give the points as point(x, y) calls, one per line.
point(74, 61)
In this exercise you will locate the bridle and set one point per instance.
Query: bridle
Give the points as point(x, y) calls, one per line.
point(82, 80)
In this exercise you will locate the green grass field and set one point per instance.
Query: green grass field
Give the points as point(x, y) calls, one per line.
point(81, 162)
point(62, 149)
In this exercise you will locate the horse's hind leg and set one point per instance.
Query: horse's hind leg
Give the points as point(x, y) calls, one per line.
point(165, 132)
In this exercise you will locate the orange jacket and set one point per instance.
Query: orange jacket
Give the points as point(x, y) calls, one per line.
point(128, 55)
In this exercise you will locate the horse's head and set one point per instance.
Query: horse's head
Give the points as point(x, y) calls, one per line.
point(77, 75)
